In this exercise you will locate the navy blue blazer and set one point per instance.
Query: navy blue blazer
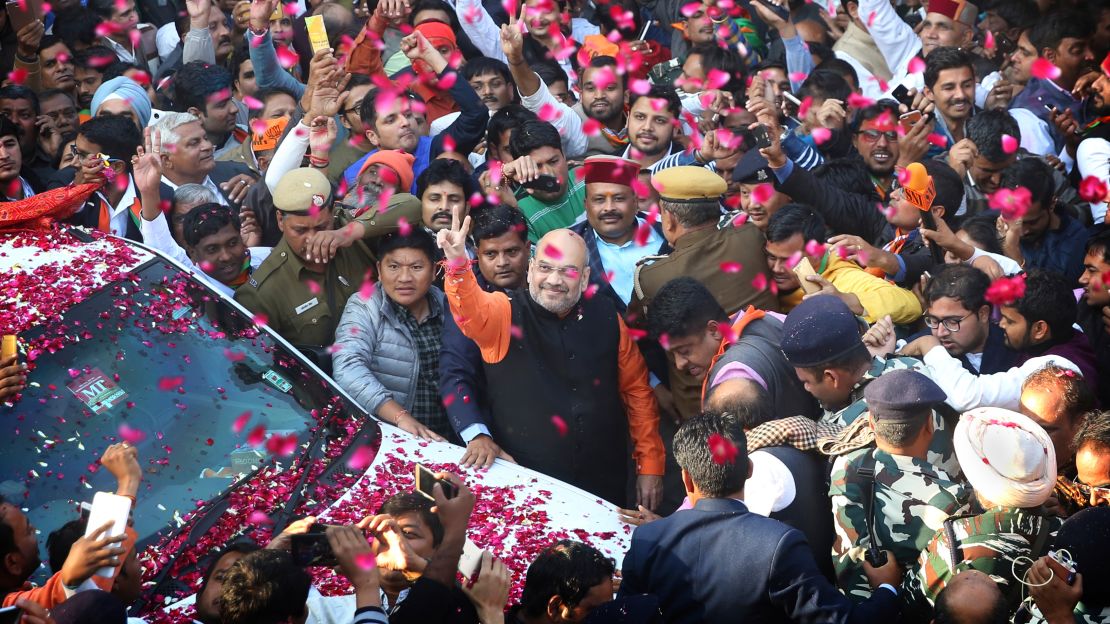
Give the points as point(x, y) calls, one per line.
point(597, 270)
point(718, 562)
point(997, 357)
point(462, 377)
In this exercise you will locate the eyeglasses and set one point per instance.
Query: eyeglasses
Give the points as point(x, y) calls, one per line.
point(872, 136)
point(951, 324)
point(1092, 491)
point(79, 155)
point(569, 272)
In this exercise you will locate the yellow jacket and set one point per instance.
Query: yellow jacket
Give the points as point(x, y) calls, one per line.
point(877, 296)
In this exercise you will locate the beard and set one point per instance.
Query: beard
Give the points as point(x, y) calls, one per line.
point(560, 307)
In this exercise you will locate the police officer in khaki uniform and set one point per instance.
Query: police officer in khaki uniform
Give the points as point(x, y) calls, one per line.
point(313, 249)
point(708, 246)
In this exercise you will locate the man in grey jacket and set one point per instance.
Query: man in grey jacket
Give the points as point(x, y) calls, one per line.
point(387, 343)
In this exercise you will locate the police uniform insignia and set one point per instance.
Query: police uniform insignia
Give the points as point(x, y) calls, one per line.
point(318, 200)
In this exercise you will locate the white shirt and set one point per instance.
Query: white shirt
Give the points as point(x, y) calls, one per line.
point(120, 213)
point(157, 235)
point(771, 487)
point(967, 391)
point(208, 183)
point(1093, 159)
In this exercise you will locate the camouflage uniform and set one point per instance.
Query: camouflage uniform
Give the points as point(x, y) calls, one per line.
point(941, 452)
point(912, 500)
point(988, 542)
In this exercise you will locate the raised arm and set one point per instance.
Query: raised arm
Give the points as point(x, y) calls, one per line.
point(267, 69)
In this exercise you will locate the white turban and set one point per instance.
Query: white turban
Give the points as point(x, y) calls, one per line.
point(1007, 458)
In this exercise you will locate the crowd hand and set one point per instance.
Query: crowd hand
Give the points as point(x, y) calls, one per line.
point(394, 11)
point(361, 11)
point(962, 155)
point(91, 171)
point(512, 40)
point(918, 290)
point(399, 416)
point(284, 540)
point(989, 266)
point(774, 153)
point(667, 405)
point(321, 247)
point(889, 573)
point(122, 462)
point(391, 550)
point(485, 181)
point(89, 554)
point(236, 188)
point(198, 13)
point(241, 15)
point(454, 513)
point(716, 146)
point(416, 46)
point(827, 288)
point(13, 378)
point(1047, 581)
point(453, 241)
point(1083, 84)
point(50, 140)
point(321, 67)
point(771, 18)
point(353, 552)
point(322, 133)
point(260, 13)
point(638, 516)
point(28, 39)
point(649, 491)
point(880, 338)
point(248, 228)
point(756, 89)
point(919, 102)
point(1009, 232)
point(146, 164)
point(33, 612)
point(1067, 126)
point(481, 451)
point(1000, 95)
point(832, 114)
point(1056, 163)
point(913, 144)
point(521, 170)
point(919, 347)
point(490, 592)
point(855, 249)
point(946, 238)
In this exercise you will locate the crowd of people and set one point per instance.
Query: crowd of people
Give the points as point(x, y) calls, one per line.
point(817, 294)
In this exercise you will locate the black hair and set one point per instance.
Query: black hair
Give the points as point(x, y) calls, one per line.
point(549, 72)
point(567, 569)
point(240, 55)
point(531, 136)
point(961, 282)
point(794, 219)
point(983, 230)
point(411, 502)
point(103, 8)
point(660, 92)
point(1086, 536)
point(119, 68)
point(1035, 175)
point(77, 25)
point(691, 214)
point(842, 67)
point(713, 476)
point(751, 408)
point(944, 58)
point(483, 65)
point(683, 307)
point(462, 41)
point(61, 540)
point(948, 612)
point(20, 92)
point(821, 49)
point(444, 170)
point(1100, 244)
point(51, 93)
point(498, 220)
point(1095, 430)
point(196, 82)
point(1056, 26)
point(1048, 297)
point(97, 58)
point(848, 174)
point(949, 187)
point(117, 136)
point(242, 546)
point(368, 112)
point(604, 16)
point(264, 95)
point(67, 138)
point(872, 111)
point(508, 118)
point(418, 239)
point(264, 587)
point(1076, 396)
point(8, 128)
point(205, 220)
point(825, 84)
point(602, 60)
point(1019, 14)
point(726, 60)
point(985, 129)
point(51, 40)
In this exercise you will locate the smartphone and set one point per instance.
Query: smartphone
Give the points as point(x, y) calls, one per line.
point(148, 42)
point(1004, 44)
point(762, 136)
point(10, 615)
point(909, 119)
point(902, 94)
point(802, 270)
point(545, 183)
point(108, 508)
point(471, 559)
point(425, 479)
point(317, 34)
point(20, 17)
point(792, 99)
point(312, 548)
point(781, 11)
point(7, 346)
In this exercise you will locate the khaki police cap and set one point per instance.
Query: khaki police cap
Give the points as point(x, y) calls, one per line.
point(301, 190)
point(688, 184)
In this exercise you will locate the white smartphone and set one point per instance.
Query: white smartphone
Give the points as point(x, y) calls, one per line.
point(471, 559)
point(108, 508)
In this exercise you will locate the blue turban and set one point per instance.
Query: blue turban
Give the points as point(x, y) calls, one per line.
point(127, 89)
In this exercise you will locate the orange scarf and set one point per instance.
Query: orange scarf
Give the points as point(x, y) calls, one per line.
point(750, 315)
point(104, 220)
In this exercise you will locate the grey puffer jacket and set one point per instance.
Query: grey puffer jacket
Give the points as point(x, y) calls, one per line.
point(376, 358)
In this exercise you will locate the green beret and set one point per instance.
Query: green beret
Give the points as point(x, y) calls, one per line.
point(301, 190)
point(689, 184)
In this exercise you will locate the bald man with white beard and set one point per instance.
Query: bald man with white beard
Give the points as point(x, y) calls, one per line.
point(567, 385)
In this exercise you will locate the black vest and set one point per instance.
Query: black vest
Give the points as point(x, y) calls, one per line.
point(811, 510)
point(567, 368)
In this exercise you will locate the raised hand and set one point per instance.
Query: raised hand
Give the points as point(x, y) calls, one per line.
point(491, 591)
point(512, 40)
point(260, 13)
point(198, 13)
point(146, 164)
point(453, 241)
point(417, 47)
point(28, 39)
point(89, 554)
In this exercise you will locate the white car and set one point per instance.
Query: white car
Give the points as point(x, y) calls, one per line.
point(237, 432)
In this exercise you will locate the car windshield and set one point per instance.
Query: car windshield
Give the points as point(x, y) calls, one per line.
point(161, 362)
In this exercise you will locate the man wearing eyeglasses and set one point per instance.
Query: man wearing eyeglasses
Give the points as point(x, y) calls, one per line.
point(1092, 459)
point(566, 383)
point(103, 149)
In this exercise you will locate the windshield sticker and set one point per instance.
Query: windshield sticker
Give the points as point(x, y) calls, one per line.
point(181, 311)
point(277, 381)
point(97, 391)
